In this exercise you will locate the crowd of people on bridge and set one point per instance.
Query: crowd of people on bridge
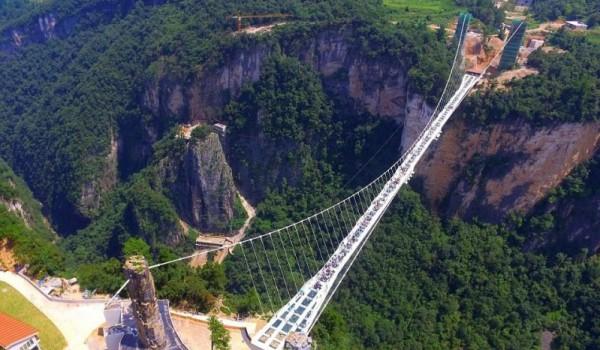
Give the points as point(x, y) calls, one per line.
point(328, 269)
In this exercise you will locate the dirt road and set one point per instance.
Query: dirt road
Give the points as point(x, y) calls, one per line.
point(220, 256)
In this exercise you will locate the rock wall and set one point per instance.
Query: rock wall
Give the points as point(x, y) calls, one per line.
point(483, 172)
point(490, 171)
point(92, 191)
point(200, 184)
point(15, 206)
point(378, 86)
point(418, 113)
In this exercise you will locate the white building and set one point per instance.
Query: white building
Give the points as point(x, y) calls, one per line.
point(220, 129)
point(576, 25)
point(535, 44)
point(17, 335)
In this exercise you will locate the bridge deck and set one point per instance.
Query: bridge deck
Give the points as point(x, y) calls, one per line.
point(302, 311)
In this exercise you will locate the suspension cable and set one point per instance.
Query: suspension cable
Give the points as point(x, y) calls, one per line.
point(262, 311)
point(397, 163)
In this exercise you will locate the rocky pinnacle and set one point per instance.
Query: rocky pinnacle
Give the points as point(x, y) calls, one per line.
point(144, 304)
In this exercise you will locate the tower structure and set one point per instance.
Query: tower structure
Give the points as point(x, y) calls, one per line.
point(515, 39)
point(464, 19)
point(462, 27)
point(144, 303)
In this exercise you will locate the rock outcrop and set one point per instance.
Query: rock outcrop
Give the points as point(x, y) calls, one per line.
point(15, 206)
point(418, 113)
point(483, 172)
point(92, 191)
point(144, 304)
point(200, 184)
point(378, 86)
point(490, 171)
point(38, 30)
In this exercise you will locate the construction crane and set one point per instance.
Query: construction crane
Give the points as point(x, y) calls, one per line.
point(238, 18)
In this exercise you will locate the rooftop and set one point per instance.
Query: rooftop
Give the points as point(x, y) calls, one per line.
point(14, 331)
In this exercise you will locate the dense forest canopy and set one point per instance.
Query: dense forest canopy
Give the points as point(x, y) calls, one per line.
point(588, 10)
point(11, 9)
point(426, 284)
point(567, 88)
point(485, 11)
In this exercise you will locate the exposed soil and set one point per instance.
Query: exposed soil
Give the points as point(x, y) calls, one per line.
point(7, 257)
point(260, 29)
point(547, 27)
point(520, 73)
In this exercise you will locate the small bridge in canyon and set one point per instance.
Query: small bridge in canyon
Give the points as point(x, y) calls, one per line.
point(296, 270)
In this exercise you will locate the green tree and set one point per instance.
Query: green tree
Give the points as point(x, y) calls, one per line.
point(219, 336)
point(136, 246)
point(105, 277)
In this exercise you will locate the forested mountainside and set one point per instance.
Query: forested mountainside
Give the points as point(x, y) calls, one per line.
point(94, 94)
point(25, 235)
point(553, 9)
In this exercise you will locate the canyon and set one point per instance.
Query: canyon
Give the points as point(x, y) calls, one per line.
point(474, 171)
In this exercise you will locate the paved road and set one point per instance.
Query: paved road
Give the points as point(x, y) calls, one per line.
point(76, 321)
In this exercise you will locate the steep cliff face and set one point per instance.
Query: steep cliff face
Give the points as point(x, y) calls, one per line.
point(418, 113)
point(378, 86)
point(38, 30)
point(200, 184)
point(488, 172)
point(483, 172)
point(92, 191)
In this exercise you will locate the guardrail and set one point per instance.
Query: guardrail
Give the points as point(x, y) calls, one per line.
point(57, 299)
point(249, 327)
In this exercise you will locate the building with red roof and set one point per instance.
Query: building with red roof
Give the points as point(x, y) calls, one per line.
point(17, 335)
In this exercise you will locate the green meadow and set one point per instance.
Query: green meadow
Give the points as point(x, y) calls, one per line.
point(432, 11)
